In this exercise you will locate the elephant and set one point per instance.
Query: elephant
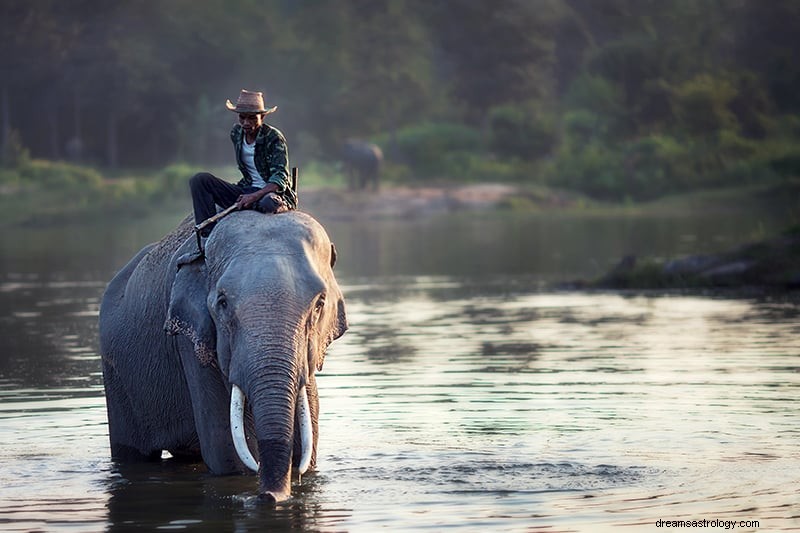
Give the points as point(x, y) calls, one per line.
point(212, 355)
point(362, 163)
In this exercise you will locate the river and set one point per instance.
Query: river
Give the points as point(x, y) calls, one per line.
point(468, 395)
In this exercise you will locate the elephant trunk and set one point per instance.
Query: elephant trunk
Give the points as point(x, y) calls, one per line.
point(276, 403)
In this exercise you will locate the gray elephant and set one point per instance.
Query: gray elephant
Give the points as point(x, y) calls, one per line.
point(214, 356)
point(362, 164)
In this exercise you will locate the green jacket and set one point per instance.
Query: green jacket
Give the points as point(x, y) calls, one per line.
point(271, 159)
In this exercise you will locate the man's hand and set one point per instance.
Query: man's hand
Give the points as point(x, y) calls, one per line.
point(246, 201)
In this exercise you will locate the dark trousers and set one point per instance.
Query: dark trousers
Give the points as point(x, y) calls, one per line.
point(208, 191)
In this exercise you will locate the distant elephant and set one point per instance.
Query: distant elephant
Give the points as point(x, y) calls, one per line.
point(187, 340)
point(362, 164)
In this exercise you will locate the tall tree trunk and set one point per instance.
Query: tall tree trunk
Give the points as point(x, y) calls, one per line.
point(55, 137)
point(6, 126)
point(77, 114)
point(75, 148)
point(112, 139)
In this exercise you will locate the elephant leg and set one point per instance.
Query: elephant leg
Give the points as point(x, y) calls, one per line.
point(124, 432)
point(211, 411)
point(352, 180)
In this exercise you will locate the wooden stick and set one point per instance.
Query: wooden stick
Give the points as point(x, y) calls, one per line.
point(210, 220)
point(294, 186)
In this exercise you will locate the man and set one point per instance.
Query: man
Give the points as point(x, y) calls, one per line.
point(263, 160)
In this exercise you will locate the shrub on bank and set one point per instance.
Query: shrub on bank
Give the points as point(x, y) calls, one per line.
point(52, 188)
point(426, 147)
point(59, 175)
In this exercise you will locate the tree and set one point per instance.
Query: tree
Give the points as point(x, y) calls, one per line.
point(494, 52)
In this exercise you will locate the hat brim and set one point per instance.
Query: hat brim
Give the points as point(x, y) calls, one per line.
point(231, 107)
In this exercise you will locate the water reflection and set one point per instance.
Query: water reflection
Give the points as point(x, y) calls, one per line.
point(467, 402)
point(65, 350)
point(171, 495)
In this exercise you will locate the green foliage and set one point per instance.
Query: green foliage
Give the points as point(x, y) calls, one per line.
point(779, 155)
point(628, 62)
point(430, 148)
point(521, 132)
point(581, 126)
point(8, 177)
point(494, 52)
point(594, 93)
point(321, 174)
point(591, 168)
point(617, 98)
point(13, 154)
point(59, 176)
point(702, 105)
point(174, 179)
point(483, 167)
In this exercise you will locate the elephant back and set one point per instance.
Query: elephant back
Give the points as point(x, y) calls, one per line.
point(288, 232)
point(164, 249)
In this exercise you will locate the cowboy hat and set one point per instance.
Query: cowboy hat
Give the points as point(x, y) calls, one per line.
point(250, 102)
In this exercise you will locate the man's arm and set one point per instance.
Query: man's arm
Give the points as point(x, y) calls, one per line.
point(278, 162)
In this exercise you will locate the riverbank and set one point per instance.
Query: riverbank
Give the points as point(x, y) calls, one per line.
point(409, 202)
point(770, 264)
point(769, 261)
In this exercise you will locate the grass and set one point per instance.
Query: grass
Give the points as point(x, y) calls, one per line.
point(26, 199)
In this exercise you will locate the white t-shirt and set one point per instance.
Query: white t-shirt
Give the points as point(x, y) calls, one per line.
point(248, 158)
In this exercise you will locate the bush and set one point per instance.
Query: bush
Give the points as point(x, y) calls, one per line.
point(483, 167)
point(581, 126)
point(13, 154)
point(59, 175)
point(174, 179)
point(784, 158)
point(521, 132)
point(593, 169)
point(423, 147)
point(8, 177)
point(595, 94)
point(702, 105)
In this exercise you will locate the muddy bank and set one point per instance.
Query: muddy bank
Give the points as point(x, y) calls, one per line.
point(772, 264)
point(406, 202)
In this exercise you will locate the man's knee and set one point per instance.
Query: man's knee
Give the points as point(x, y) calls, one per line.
point(200, 180)
point(272, 203)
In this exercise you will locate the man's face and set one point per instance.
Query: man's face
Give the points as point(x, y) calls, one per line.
point(250, 122)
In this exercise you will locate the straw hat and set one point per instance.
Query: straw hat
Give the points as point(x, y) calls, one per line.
point(249, 102)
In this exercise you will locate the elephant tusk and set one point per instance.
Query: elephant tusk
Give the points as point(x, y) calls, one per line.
point(306, 432)
point(237, 429)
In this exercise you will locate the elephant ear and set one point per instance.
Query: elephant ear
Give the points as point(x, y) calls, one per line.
point(187, 314)
point(331, 328)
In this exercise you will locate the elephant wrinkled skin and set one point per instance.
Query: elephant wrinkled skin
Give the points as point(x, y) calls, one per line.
point(179, 332)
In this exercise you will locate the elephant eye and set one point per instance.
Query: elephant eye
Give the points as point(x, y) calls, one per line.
point(222, 301)
point(320, 303)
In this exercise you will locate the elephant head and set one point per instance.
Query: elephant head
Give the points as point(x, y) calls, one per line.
point(262, 305)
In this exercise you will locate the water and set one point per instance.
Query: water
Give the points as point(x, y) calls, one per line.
point(467, 395)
